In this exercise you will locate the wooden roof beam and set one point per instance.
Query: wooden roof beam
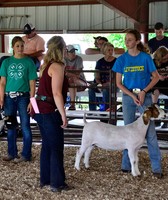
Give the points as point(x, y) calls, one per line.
point(136, 10)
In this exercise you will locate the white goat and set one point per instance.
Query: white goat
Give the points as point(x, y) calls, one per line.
point(107, 136)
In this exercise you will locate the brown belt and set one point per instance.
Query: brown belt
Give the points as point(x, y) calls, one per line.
point(45, 98)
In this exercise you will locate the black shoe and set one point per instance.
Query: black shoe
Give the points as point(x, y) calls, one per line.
point(126, 171)
point(165, 125)
point(9, 158)
point(61, 188)
point(66, 187)
point(158, 175)
point(21, 159)
point(43, 185)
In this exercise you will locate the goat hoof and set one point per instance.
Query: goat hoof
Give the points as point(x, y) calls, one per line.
point(78, 168)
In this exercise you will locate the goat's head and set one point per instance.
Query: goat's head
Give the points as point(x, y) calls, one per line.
point(153, 111)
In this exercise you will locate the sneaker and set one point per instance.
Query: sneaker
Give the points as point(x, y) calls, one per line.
point(43, 185)
point(21, 159)
point(62, 188)
point(8, 158)
point(165, 125)
point(158, 175)
point(56, 190)
point(66, 187)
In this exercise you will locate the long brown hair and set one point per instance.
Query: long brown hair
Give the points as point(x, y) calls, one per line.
point(137, 36)
point(16, 39)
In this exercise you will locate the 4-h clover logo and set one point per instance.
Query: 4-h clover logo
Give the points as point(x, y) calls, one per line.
point(16, 71)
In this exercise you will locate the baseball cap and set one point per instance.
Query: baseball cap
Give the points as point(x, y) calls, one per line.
point(158, 26)
point(28, 28)
point(71, 48)
point(104, 39)
point(96, 38)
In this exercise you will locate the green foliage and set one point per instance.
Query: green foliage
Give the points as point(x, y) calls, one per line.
point(117, 39)
point(152, 35)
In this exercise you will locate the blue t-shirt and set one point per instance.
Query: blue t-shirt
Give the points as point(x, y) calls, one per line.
point(136, 69)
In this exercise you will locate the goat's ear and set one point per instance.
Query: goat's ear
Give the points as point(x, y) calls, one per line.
point(146, 116)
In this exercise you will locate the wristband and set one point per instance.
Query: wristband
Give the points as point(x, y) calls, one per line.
point(144, 91)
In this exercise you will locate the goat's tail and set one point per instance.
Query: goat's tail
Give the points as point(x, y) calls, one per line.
point(84, 118)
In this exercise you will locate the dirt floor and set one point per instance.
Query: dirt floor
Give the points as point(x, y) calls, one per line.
point(104, 180)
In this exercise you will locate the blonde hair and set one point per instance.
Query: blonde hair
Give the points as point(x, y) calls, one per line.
point(105, 46)
point(55, 52)
point(159, 54)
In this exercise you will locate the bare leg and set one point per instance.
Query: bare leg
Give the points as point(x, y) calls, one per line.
point(72, 92)
point(155, 96)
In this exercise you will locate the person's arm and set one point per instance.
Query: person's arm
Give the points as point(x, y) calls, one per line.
point(97, 77)
point(154, 80)
point(119, 50)
point(125, 90)
point(32, 84)
point(35, 54)
point(91, 51)
point(2, 91)
point(38, 49)
point(56, 71)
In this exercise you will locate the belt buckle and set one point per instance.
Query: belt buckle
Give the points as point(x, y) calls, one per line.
point(43, 98)
point(13, 94)
point(136, 90)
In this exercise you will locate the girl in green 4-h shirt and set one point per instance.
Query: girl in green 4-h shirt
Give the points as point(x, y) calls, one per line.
point(17, 85)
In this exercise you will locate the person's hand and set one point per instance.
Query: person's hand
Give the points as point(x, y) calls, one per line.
point(161, 77)
point(1, 104)
point(141, 97)
point(137, 102)
point(64, 122)
point(136, 99)
point(29, 108)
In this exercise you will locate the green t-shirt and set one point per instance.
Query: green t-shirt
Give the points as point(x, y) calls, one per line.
point(18, 73)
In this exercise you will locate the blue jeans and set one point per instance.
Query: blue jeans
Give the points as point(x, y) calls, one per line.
point(52, 152)
point(129, 110)
point(93, 98)
point(11, 106)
